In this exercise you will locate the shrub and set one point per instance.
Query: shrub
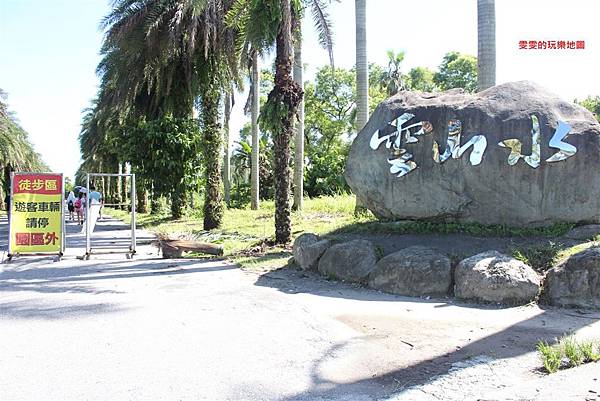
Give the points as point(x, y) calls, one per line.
point(551, 356)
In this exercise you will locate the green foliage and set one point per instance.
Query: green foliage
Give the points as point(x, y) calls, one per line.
point(377, 93)
point(588, 349)
point(592, 104)
point(328, 126)
point(474, 229)
point(274, 111)
point(540, 258)
point(169, 157)
point(551, 356)
point(421, 79)
point(567, 352)
point(392, 79)
point(457, 71)
point(572, 351)
point(16, 151)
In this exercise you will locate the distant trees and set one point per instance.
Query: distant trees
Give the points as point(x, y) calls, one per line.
point(457, 71)
point(592, 104)
point(16, 151)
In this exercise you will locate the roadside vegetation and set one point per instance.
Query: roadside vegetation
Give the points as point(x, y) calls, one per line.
point(247, 235)
point(543, 257)
point(16, 151)
point(568, 352)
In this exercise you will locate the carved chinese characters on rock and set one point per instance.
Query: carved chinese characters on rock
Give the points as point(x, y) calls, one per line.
point(401, 134)
point(400, 158)
point(515, 146)
point(453, 148)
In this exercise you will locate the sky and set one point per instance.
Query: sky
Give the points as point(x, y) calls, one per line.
point(49, 53)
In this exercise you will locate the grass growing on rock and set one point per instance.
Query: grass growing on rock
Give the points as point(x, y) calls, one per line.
point(543, 257)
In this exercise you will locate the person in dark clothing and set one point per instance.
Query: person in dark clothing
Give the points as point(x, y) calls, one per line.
point(7, 202)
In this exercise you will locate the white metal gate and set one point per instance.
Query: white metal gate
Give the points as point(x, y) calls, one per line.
point(89, 248)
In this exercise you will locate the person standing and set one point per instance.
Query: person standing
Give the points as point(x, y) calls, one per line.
point(78, 204)
point(7, 201)
point(95, 199)
point(71, 204)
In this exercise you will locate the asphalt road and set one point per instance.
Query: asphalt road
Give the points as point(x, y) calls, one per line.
point(153, 329)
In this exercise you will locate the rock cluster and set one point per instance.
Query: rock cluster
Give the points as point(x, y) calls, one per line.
point(489, 277)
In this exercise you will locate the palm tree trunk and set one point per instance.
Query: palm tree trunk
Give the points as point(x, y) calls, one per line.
point(213, 205)
point(362, 75)
point(154, 202)
point(142, 196)
point(486, 44)
point(254, 178)
point(362, 69)
point(178, 198)
point(226, 156)
point(299, 140)
point(287, 94)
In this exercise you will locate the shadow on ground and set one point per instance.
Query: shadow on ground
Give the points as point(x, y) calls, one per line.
point(86, 278)
point(516, 340)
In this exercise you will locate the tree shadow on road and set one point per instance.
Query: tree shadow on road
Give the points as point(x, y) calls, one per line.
point(87, 278)
point(516, 340)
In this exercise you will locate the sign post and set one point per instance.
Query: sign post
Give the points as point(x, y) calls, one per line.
point(36, 224)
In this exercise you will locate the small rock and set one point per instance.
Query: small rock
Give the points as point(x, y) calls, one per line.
point(414, 271)
point(308, 249)
point(494, 277)
point(349, 261)
point(575, 281)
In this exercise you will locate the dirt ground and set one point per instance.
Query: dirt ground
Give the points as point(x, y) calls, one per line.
point(441, 348)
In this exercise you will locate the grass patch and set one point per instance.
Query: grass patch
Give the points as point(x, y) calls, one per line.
point(567, 352)
point(551, 356)
point(244, 230)
point(543, 257)
point(245, 234)
point(474, 229)
point(540, 258)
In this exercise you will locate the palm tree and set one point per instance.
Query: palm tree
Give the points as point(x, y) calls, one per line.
point(261, 23)
point(227, 156)
point(254, 175)
point(299, 135)
point(392, 80)
point(177, 50)
point(362, 74)
point(362, 68)
point(486, 44)
point(16, 151)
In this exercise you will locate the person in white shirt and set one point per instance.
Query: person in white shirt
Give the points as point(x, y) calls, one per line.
point(95, 199)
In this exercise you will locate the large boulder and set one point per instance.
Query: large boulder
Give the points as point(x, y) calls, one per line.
point(575, 281)
point(494, 277)
point(515, 183)
point(308, 249)
point(413, 271)
point(349, 261)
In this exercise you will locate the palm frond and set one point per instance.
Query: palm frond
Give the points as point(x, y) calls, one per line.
point(324, 27)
